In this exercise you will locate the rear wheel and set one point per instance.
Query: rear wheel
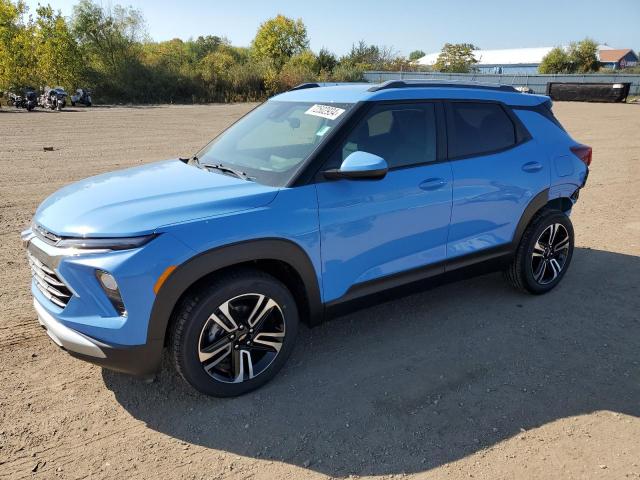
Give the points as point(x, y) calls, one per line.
point(544, 253)
point(234, 335)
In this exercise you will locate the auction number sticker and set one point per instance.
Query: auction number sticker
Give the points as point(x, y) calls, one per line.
point(325, 111)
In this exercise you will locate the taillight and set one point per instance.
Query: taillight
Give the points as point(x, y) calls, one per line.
point(583, 152)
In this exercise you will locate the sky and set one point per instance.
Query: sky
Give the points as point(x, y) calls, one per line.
point(405, 25)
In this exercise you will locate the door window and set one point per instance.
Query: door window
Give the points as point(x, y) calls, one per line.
point(478, 128)
point(403, 135)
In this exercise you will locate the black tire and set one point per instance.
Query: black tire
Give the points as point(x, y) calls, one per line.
point(537, 268)
point(73, 104)
point(193, 326)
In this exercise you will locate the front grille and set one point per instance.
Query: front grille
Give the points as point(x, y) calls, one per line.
point(48, 282)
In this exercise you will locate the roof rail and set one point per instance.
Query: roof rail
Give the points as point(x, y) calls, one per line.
point(303, 86)
point(436, 83)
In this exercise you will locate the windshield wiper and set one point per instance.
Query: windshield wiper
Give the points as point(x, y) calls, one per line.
point(224, 169)
point(191, 161)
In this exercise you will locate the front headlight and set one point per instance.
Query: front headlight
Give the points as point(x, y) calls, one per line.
point(121, 243)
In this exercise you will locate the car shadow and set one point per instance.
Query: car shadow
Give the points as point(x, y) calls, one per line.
point(427, 379)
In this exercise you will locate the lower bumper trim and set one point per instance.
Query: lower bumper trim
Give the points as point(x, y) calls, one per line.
point(65, 337)
point(138, 360)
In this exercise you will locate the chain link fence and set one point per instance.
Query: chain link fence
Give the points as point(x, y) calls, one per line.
point(536, 82)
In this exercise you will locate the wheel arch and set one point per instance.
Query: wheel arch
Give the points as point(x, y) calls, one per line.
point(283, 259)
point(537, 204)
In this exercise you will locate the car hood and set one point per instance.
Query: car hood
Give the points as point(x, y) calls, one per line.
point(140, 200)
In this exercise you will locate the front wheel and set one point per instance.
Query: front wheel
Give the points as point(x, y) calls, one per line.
point(544, 253)
point(234, 335)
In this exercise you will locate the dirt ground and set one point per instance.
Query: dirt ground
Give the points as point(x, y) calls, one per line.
point(469, 380)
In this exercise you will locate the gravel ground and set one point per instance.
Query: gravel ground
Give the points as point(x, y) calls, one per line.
point(471, 379)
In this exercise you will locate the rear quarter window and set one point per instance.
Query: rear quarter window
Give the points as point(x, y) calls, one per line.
point(478, 128)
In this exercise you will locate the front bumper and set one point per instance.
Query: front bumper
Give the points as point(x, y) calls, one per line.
point(67, 338)
point(81, 319)
point(142, 360)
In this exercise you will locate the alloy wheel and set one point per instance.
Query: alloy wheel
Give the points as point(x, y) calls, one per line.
point(241, 338)
point(550, 253)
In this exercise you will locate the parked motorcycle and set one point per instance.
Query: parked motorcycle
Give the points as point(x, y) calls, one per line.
point(53, 98)
point(14, 100)
point(81, 96)
point(30, 99)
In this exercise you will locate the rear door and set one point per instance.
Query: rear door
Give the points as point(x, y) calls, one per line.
point(497, 170)
point(372, 229)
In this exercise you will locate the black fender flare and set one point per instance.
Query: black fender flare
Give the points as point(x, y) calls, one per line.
point(536, 204)
point(203, 264)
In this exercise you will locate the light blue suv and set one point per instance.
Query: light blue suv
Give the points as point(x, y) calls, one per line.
point(319, 198)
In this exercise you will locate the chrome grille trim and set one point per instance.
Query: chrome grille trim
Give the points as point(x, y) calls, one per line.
point(46, 235)
point(50, 289)
point(39, 265)
point(48, 283)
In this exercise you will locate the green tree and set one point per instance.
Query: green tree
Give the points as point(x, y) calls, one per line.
point(556, 61)
point(111, 37)
point(370, 57)
point(215, 71)
point(327, 61)
point(416, 55)
point(204, 45)
point(583, 56)
point(57, 53)
point(215, 66)
point(347, 73)
point(580, 57)
point(456, 58)
point(279, 38)
point(363, 56)
point(17, 55)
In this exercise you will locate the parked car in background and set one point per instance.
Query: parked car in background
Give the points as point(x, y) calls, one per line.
point(81, 96)
point(319, 198)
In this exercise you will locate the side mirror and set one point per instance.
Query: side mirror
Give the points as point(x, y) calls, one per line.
point(360, 165)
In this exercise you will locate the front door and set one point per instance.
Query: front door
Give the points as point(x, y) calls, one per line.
point(372, 229)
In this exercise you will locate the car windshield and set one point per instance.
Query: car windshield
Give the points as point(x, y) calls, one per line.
point(271, 143)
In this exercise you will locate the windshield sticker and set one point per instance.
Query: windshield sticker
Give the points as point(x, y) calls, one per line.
point(323, 130)
point(325, 111)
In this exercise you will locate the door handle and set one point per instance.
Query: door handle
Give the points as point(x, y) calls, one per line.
point(532, 167)
point(433, 184)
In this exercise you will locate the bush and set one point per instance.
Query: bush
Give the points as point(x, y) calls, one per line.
point(347, 73)
point(581, 57)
